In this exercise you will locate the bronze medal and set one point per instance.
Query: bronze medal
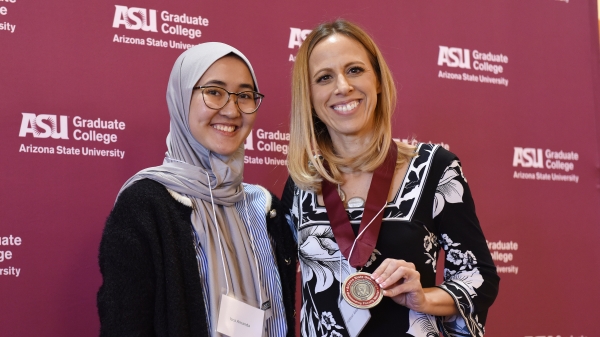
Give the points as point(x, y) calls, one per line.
point(361, 291)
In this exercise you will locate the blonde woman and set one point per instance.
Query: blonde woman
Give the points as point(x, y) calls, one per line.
point(370, 214)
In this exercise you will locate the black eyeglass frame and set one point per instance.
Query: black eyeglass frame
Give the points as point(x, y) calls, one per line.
point(229, 93)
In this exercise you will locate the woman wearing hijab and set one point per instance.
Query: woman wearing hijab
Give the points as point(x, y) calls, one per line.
point(372, 214)
point(187, 241)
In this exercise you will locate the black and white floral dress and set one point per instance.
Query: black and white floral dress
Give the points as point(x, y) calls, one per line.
point(432, 210)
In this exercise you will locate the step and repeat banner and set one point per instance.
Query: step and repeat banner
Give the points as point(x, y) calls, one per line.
point(511, 87)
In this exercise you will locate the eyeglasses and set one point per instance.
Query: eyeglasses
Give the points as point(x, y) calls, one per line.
point(216, 97)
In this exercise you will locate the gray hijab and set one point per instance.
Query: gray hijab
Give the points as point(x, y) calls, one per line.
point(192, 170)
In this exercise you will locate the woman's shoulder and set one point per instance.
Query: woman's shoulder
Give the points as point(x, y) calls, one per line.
point(431, 162)
point(150, 193)
point(142, 189)
point(434, 153)
point(142, 204)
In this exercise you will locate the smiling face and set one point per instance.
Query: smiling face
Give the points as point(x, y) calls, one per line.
point(344, 87)
point(223, 130)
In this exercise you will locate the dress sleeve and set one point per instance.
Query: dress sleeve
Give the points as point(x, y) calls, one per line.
point(469, 272)
point(288, 202)
point(126, 298)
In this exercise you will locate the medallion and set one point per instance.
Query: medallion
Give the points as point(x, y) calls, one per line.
point(361, 291)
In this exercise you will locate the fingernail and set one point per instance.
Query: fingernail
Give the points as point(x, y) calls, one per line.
point(382, 285)
point(374, 276)
point(378, 280)
point(384, 293)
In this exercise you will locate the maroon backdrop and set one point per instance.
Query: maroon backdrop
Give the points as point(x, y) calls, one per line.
point(510, 86)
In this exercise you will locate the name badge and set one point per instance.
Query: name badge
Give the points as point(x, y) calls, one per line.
point(238, 319)
point(354, 318)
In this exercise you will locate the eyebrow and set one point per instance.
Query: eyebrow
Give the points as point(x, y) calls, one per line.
point(345, 66)
point(223, 84)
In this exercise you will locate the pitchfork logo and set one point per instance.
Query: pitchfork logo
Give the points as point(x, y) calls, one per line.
point(454, 57)
point(297, 36)
point(528, 157)
point(135, 18)
point(44, 126)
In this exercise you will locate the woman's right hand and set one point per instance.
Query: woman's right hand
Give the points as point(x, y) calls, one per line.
point(401, 281)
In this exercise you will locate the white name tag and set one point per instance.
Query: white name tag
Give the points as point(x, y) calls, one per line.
point(355, 318)
point(238, 319)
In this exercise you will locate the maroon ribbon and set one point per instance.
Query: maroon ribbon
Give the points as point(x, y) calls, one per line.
point(376, 198)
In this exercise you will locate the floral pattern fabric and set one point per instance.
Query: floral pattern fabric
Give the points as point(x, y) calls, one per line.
point(432, 211)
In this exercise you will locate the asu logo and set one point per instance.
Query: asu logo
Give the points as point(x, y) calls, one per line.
point(44, 126)
point(297, 36)
point(135, 18)
point(454, 57)
point(528, 157)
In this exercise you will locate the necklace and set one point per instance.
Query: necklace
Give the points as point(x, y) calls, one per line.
point(354, 202)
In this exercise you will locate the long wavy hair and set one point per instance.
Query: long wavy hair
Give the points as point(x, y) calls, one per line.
point(309, 137)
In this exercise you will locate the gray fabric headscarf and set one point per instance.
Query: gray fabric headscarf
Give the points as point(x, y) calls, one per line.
point(192, 170)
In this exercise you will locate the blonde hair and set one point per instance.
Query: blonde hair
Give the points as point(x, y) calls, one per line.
point(309, 137)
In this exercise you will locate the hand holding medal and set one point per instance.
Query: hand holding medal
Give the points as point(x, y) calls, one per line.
point(401, 282)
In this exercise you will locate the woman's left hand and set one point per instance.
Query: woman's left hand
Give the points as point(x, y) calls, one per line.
point(402, 283)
